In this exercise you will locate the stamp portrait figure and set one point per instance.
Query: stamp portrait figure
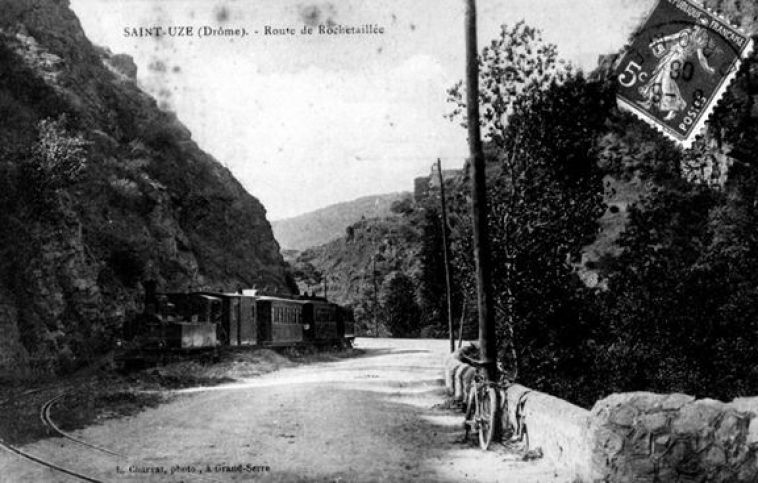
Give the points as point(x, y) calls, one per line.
point(674, 53)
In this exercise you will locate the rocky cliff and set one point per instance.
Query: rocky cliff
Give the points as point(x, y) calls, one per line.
point(99, 191)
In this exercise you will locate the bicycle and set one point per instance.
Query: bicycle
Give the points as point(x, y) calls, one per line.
point(482, 405)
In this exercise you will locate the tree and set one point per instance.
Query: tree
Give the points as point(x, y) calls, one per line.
point(546, 203)
point(305, 273)
point(545, 190)
point(399, 309)
point(402, 206)
point(680, 310)
point(366, 313)
point(517, 61)
point(431, 279)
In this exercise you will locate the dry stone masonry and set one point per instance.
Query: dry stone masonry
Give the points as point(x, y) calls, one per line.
point(643, 436)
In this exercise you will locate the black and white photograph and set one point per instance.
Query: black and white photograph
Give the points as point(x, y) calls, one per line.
point(378, 241)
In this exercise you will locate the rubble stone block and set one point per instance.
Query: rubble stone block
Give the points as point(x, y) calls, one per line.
point(655, 422)
point(623, 415)
point(752, 432)
point(643, 467)
point(675, 401)
point(714, 456)
point(457, 382)
point(748, 472)
point(731, 428)
point(693, 417)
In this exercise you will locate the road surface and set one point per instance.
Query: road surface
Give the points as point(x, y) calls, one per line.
point(369, 418)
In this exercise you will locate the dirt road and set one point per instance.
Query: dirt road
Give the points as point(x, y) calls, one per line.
point(370, 418)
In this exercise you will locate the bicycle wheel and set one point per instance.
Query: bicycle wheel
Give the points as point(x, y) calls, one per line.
point(487, 420)
point(469, 423)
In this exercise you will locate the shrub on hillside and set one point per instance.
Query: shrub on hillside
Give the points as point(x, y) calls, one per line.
point(58, 157)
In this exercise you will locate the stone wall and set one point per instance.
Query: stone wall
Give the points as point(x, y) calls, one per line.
point(639, 436)
point(644, 436)
point(557, 427)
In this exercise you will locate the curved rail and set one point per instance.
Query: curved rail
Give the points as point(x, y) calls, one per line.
point(40, 461)
point(46, 419)
point(44, 414)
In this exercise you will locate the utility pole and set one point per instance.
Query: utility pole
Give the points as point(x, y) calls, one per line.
point(487, 341)
point(376, 302)
point(446, 258)
point(460, 326)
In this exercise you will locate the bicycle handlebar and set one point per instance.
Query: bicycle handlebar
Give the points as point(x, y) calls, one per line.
point(503, 379)
point(474, 362)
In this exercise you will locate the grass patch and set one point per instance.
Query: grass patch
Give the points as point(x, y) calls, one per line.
point(79, 410)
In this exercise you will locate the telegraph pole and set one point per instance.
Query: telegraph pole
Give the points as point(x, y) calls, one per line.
point(446, 258)
point(376, 299)
point(487, 341)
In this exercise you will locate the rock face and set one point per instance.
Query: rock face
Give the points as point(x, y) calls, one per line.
point(148, 203)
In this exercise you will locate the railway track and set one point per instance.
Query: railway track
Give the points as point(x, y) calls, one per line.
point(47, 420)
point(12, 449)
point(44, 414)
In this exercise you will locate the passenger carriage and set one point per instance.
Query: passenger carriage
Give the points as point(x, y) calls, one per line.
point(199, 322)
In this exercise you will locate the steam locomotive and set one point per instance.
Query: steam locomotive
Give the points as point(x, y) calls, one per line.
point(199, 323)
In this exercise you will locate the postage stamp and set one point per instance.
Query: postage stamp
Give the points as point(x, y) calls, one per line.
point(678, 67)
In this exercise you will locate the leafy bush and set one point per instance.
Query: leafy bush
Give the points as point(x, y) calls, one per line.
point(58, 157)
point(402, 207)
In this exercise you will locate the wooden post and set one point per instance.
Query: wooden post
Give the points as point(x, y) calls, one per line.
point(460, 326)
point(376, 299)
point(446, 258)
point(487, 341)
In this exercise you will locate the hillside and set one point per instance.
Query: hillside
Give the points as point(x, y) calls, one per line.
point(328, 223)
point(99, 191)
point(348, 262)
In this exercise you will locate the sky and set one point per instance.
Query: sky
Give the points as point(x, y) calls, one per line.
point(305, 121)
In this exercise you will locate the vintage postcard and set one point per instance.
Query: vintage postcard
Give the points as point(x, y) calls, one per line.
point(378, 240)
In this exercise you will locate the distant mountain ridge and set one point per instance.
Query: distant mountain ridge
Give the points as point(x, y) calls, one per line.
point(329, 223)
